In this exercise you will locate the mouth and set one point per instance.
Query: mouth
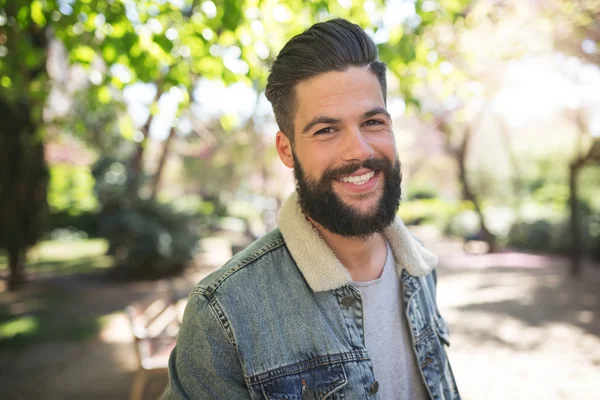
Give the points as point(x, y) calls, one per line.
point(359, 179)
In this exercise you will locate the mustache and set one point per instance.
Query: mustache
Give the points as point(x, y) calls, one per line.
point(372, 163)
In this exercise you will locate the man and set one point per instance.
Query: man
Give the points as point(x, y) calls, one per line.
point(339, 302)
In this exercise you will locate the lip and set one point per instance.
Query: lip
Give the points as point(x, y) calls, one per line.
point(370, 185)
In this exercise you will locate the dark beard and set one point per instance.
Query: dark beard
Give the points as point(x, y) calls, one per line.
point(322, 204)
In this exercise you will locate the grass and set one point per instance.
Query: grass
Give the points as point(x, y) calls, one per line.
point(49, 317)
point(51, 314)
point(65, 258)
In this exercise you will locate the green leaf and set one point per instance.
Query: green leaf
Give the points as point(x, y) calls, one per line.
point(109, 53)
point(232, 14)
point(83, 54)
point(37, 13)
point(104, 95)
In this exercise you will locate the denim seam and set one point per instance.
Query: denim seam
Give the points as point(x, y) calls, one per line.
point(334, 387)
point(223, 321)
point(306, 365)
point(210, 290)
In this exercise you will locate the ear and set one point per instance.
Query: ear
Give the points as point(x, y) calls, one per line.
point(284, 149)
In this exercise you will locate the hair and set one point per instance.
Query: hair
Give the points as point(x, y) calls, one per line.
point(334, 45)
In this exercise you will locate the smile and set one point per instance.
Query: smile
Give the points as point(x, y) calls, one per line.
point(358, 180)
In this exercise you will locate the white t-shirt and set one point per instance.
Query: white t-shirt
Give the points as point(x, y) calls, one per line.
point(387, 338)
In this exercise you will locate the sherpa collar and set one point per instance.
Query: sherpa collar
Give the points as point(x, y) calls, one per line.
point(321, 268)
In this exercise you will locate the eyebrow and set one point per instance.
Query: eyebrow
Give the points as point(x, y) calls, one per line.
point(376, 111)
point(321, 119)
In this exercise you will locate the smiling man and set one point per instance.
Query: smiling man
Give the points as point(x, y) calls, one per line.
point(339, 301)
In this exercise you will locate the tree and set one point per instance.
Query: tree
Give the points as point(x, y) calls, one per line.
point(578, 34)
point(587, 151)
point(168, 44)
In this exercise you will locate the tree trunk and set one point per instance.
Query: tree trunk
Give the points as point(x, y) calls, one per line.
point(517, 183)
point(161, 162)
point(460, 156)
point(23, 187)
point(574, 221)
point(136, 163)
point(17, 273)
point(469, 195)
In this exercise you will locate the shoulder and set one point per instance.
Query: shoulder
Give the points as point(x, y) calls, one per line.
point(259, 257)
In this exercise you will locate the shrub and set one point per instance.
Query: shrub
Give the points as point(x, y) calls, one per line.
point(534, 236)
point(148, 239)
point(87, 222)
point(71, 190)
point(421, 193)
point(554, 237)
point(433, 211)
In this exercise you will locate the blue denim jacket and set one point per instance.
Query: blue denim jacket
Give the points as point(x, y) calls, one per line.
point(281, 321)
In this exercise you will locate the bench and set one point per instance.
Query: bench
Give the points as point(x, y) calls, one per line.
point(155, 323)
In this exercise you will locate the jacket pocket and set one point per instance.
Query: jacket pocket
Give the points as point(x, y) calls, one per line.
point(317, 383)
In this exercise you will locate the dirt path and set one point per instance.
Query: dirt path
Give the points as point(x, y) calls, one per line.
point(519, 330)
point(102, 367)
point(523, 329)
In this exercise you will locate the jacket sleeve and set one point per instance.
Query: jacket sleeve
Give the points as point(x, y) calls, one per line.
point(204, 364)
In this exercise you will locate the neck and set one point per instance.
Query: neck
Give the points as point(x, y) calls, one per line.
point(363, 258)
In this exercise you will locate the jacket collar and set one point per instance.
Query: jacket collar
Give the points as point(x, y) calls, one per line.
point(321, 268)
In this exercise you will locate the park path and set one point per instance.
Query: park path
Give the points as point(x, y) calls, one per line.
point(520, 329)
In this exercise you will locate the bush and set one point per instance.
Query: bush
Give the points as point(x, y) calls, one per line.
point(88, 222)
point(71, 190)
point(534, 236)
point(429, 211)
point(148, 239)
point(553, 237)
point(421, 193)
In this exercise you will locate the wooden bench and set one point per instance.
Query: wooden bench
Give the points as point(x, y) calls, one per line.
point(155, 323)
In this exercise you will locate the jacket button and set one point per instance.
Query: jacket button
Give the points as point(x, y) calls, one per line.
point(348, 301)
point(375, 387)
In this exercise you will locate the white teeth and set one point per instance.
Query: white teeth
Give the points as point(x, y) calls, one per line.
point(358, 180)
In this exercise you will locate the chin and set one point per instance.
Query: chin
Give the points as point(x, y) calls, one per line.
point(363, 203)
point(364, 209)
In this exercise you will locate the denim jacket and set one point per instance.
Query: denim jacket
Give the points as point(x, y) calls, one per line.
point(281, 321)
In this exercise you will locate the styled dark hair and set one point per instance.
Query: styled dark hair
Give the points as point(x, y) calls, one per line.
point(334, 45)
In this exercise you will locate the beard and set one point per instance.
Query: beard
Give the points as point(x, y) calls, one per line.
point(319, 201)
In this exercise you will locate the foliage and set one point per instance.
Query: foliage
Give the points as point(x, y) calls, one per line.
point(421, 193)
point(71, 189)
point(86, 224)
point(550, 236)
point(61, 257)
point(428, 211)
point(72, 200)
point(147, 239)
point(163, 43)
point(103, 126)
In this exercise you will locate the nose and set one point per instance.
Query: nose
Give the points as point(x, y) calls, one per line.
point(356, 146)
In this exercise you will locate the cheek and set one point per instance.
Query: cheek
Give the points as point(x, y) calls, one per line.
point(386, 144)
point(322, 157)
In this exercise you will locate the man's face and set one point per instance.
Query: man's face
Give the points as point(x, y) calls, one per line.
point(344, 155)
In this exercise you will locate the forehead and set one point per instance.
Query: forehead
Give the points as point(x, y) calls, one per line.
point(339, 94)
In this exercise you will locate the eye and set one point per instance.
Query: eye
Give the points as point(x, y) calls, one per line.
point(374, 122)
point(324, 131)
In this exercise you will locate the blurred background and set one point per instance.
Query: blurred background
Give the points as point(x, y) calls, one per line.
point(137, 155)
